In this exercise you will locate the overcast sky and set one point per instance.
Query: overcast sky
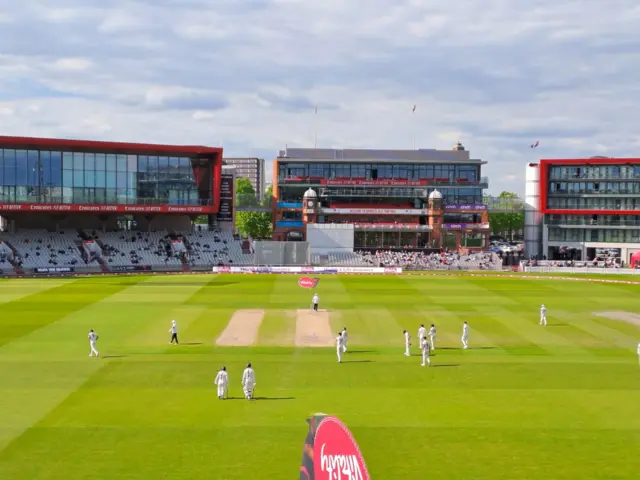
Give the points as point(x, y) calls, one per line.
point(496, 74)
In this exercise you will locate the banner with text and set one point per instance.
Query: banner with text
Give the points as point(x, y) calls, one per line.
point(53, 270)
point(227, 193)
point(375, 211)
point(466, 226)
point(86, 208)
point(458, 206)
point(316, 270)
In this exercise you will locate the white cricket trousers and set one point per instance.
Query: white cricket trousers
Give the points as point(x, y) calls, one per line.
point(543, 320)
point(433, 341)
point(406, 350)
point(344, 346)
point(93, 349)
point(425, 359)
point(222, 390)
point(339, 353)
point(248, 391)
point(465, 341)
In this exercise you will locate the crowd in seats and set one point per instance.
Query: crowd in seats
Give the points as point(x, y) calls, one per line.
point(432, 261)
point(215, 247)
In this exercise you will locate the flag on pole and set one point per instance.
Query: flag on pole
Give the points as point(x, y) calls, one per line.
point(414, 108)
point(535, 144)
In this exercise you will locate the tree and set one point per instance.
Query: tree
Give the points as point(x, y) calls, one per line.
point(507, 224)
point(245, 193)
point(268, 194)
point(254, 224)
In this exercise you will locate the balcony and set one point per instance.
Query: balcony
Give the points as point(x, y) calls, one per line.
point(591, 224)
point(483, 182)
point(391, 227)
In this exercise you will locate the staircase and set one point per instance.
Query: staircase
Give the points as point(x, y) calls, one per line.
point(103, 265)
point(14, 261)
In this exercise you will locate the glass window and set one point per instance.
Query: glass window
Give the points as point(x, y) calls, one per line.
point(101, 162)
point(174, 162)
point(152, 165)
point(101, 178)
point(111, 180)
point(142, 163)
point(121, 163)
point(78, 161)
point(67, 178)
point(55, 178)
point(111, 163)
point(121, 178)
point(111, 196)
point(132, 180)
point(90, 161)
point(67, 161)
point(78, 178)
point(163, 164)
point(89, 178)
point(132, 163)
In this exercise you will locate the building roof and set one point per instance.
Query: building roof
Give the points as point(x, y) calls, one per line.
point(107, 147)
point(590, 161)
point(376, 156)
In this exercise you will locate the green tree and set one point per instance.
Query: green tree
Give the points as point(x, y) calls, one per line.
point(268, 194)
point(507, 223)
point(245, 193)
point(255, 224)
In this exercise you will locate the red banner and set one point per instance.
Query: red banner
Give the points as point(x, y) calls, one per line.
point(376, 183)
point(88, 208)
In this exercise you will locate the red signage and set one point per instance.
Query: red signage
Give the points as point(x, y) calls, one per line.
point(308, 282)
point(88, 208)
point(336, 454)
point(376, 183)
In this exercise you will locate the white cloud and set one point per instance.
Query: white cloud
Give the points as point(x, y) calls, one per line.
point(495, 74)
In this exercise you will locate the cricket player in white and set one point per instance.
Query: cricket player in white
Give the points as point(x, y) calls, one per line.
point(248, 382)
point(340, 346)
point(432, 336)
point(315, 300)
point(222, 381)
point(93, 338)
point(345, 339)
point(426, 350)
point(543, 315)
point(407, 343)
point(174, 332)
point(639, 352)
point(421, 332)
point(465, 335)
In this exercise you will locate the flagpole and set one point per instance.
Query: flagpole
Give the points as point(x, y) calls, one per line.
point(413, 125)
point(315, 128)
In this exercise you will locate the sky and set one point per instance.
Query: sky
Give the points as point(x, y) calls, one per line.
point(496, 75)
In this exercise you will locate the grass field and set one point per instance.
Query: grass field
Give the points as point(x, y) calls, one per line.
point(524, 402)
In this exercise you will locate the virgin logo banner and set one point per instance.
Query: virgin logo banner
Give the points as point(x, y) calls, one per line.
point(308, 282)
point(330, 452)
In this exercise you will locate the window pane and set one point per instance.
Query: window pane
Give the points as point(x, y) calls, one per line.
point(89, 161)
point(78, 161)
point(21, 167)
point(89, 178)
point(111, 180)
point(142, 163)
point(121, 161)
point(78, 178)
point(101, 162)
point(132, 163)
point(111, 163)
point(152, 165)
point(101, 178)
point(67, 178)
point(121, 179)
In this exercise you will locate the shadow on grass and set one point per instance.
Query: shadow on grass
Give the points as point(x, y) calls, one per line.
point(114, 356)
point(557, 325)
point(358, 361)
point(274, 398)
point(360, 351)
point(446, 365)
point(193, 343)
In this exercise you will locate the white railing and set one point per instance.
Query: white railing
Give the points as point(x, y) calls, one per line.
point(584, 270)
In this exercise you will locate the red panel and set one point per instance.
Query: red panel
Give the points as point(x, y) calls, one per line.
point(556, 211)
point(544, 185)
point(62, 144)
point(217, 181)
point(87, 208)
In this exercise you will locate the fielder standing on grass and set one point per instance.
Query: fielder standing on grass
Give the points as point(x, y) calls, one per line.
point(639, 353)
point(426, 350)
point(407, 343)
point(174, 332)
point(421, 332)
point(339, 346)
point(345, 339)
point(465, 335)
point(222, 381)
point(93, 338)
point(543, 315)
point(432, 336)
point(314, 302)
point(248, 382)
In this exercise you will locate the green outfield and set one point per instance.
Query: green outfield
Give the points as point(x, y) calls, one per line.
point(524, 402)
